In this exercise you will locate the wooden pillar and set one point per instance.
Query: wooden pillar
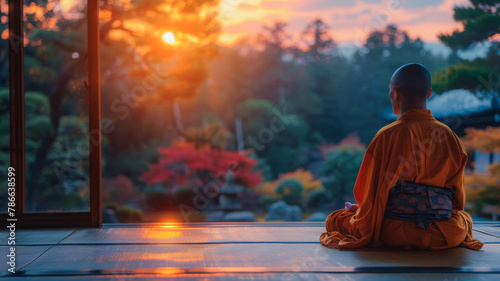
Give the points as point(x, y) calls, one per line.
point(95, 134)
point(16, 88)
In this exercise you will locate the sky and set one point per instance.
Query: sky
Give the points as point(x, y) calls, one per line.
point(350, 21)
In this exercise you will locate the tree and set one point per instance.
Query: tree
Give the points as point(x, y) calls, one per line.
point(483, 189)
point(229, 84)
point(273, 133)
point(214, 135)
point(339, 172)
point(69, 185)
point(483, 139)
point(184, 165)
point(384, 51)
point(132, 53)
point(269, 71)
point(464, 75)
point(316, 95)
point(290, 191)
point(293, 187)
point(481, 22)
point(320, 44)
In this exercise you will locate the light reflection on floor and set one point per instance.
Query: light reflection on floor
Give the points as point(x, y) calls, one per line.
point(234, 251)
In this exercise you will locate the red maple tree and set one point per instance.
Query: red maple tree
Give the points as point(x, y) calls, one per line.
point(184, 165)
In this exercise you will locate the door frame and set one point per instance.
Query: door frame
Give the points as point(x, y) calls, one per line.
point(23, 219)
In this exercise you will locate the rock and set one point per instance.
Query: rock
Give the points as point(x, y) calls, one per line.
point(284, 212)
point(214, 216)
point(317, 216)
point(239, 216)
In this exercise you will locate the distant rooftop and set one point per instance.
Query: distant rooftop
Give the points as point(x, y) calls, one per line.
point(455, 103)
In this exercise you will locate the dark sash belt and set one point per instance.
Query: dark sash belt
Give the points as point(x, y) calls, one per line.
point(421, 203)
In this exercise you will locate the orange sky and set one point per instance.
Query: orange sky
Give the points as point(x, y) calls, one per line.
point(349, 20)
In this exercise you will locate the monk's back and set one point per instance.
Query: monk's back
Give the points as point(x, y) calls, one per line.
point(416, 162)
point(420, 149)
point(423, 150)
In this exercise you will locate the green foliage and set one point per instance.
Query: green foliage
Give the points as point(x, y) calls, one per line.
point(384, 51)
point(66, 161)
point(290, 191)
point(56, 200)
point(135, 61)
point(125, 214)
point(273, 133)
point(290, 96)
point(480, 21)
point(214, 135)
point(267, 200)
point(317, 199)
point(465, 75)
point(37, 124)
point(339, 171)
point(262, 166)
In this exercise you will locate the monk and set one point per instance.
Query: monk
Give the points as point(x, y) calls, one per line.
point(409, 190)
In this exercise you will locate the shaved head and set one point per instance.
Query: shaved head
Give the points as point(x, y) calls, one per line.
point(412, 80)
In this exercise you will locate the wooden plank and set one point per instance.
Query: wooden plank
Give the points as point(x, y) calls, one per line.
point(490, 229)
point(24, 254)
point(168, 235)
point(173, 235)
point(254, 258)
point(216, 224)
point(485, 237)
point(36, 237)
point(123, 234)
point(228, 234)
point(269, 277)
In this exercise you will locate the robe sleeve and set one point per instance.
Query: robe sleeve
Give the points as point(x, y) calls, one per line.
point(457, 183)
point(354, 230)
point(365, 177)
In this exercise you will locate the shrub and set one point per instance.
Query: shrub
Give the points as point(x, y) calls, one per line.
point(125, 214)
point(339, 172)
point(290, 191)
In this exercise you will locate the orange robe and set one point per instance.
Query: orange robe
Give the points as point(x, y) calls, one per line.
point(416, 148)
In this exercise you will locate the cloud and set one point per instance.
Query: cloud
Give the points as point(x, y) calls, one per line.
point(417, 4)
point(311, 5)
point(314, 5)
point(245, 6)
point(357, 15)
point(250, 26)
point(270, 4)
point(347, 19)
point(433, 16)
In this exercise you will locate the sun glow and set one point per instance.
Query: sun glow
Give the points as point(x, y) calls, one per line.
point(169, 37)
point(170, 225)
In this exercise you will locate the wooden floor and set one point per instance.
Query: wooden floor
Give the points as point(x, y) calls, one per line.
point(233, 251)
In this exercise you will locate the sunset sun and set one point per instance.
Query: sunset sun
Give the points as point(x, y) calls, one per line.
point(168, 37)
